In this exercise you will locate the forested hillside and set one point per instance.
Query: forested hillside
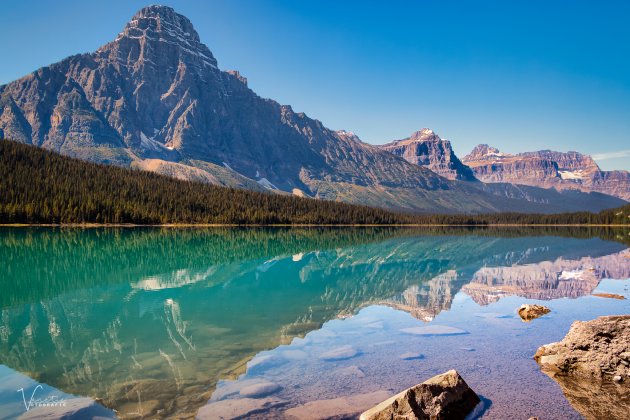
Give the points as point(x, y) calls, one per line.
point(39, 186)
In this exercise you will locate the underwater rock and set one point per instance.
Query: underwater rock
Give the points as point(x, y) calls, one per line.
point(340, 353)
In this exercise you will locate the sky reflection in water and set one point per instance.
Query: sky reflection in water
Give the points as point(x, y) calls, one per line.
point(150, 321)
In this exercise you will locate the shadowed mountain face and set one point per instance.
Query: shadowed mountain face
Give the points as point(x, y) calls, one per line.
point(547, 169)
point(150, 319)
point(155, 99)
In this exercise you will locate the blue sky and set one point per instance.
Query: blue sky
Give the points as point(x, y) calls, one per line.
point(518, 75)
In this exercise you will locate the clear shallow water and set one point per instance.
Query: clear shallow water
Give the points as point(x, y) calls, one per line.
point(166, 321)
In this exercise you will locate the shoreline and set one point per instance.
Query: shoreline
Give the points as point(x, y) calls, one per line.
point(205, 225)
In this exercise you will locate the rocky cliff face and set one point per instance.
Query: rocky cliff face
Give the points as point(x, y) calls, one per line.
point(425, 148)
point(547, 169)
point(154, 98)
point(156, 92)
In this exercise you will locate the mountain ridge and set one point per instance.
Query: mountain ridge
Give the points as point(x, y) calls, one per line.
point(155, 98)
point(547, 169)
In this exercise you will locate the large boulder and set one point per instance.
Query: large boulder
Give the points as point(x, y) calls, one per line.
point(445, 396)
point(592, 366)
point(598, 349)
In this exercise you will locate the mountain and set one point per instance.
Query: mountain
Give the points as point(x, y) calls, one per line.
point(547, 169)
point(425, 148)
point(155, 99)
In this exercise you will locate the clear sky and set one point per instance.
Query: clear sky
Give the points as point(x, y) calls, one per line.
point(518, 75)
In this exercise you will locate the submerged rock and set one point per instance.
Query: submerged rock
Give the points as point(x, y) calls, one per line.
point(340, 353)
point(411, 356)
point(238, 408)
point(591, 365)
point(258, 390)
point(336, 408)
point(445, 396)
point(434, 330)
point(528, 312)
point(609, 295)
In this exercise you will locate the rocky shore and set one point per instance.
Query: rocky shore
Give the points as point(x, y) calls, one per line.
point(592, 366)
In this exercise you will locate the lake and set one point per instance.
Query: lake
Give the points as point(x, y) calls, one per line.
point(294, 323)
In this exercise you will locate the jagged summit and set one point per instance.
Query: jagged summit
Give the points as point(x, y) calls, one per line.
point(424, 133)
point(426, 148)
point(159, 29)
point(162, 19)
point(481, 152)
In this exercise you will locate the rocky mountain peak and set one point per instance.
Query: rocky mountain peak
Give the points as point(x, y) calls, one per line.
point(482, 152)
point(426, 148)
point(348, 135)
point(425, 134)
point(162, 20)
point(158, 30)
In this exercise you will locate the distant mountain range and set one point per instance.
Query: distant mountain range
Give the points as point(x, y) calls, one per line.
point(546, 169)
point(155, 99)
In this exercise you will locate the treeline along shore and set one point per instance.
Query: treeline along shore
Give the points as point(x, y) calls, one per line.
point(42, 187)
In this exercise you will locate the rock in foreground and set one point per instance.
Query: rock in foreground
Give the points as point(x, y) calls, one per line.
point(445, 396)
point(528, 312)
point(591, 365)
point(597, 349)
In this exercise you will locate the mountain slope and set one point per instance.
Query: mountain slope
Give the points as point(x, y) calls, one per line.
point(155, 99)
point(547, 169)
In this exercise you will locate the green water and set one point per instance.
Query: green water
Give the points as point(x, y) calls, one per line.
point(150, 320)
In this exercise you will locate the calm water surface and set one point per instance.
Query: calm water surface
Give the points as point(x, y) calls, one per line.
point(294, 323)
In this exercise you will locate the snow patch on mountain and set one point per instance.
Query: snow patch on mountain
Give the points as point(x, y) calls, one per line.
point(573, 175)
point(267, 184)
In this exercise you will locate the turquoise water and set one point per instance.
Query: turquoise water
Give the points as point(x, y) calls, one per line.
point(165, 322)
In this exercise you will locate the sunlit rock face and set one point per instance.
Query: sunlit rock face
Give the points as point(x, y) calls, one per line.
point(547, 280)
point(155, 99)
point(546, 168)
point(591, 366)
point(156, 93)
point(425, 148)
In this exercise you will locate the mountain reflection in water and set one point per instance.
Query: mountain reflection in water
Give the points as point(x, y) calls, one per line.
point(150, 320)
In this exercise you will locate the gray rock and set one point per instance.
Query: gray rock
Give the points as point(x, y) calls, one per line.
point(434, 330)
point(445, 396)
point(259, 390)
point(340, 353)
point(336, 408)
point(411, 356)
point(238, 408)
point(350, 371)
